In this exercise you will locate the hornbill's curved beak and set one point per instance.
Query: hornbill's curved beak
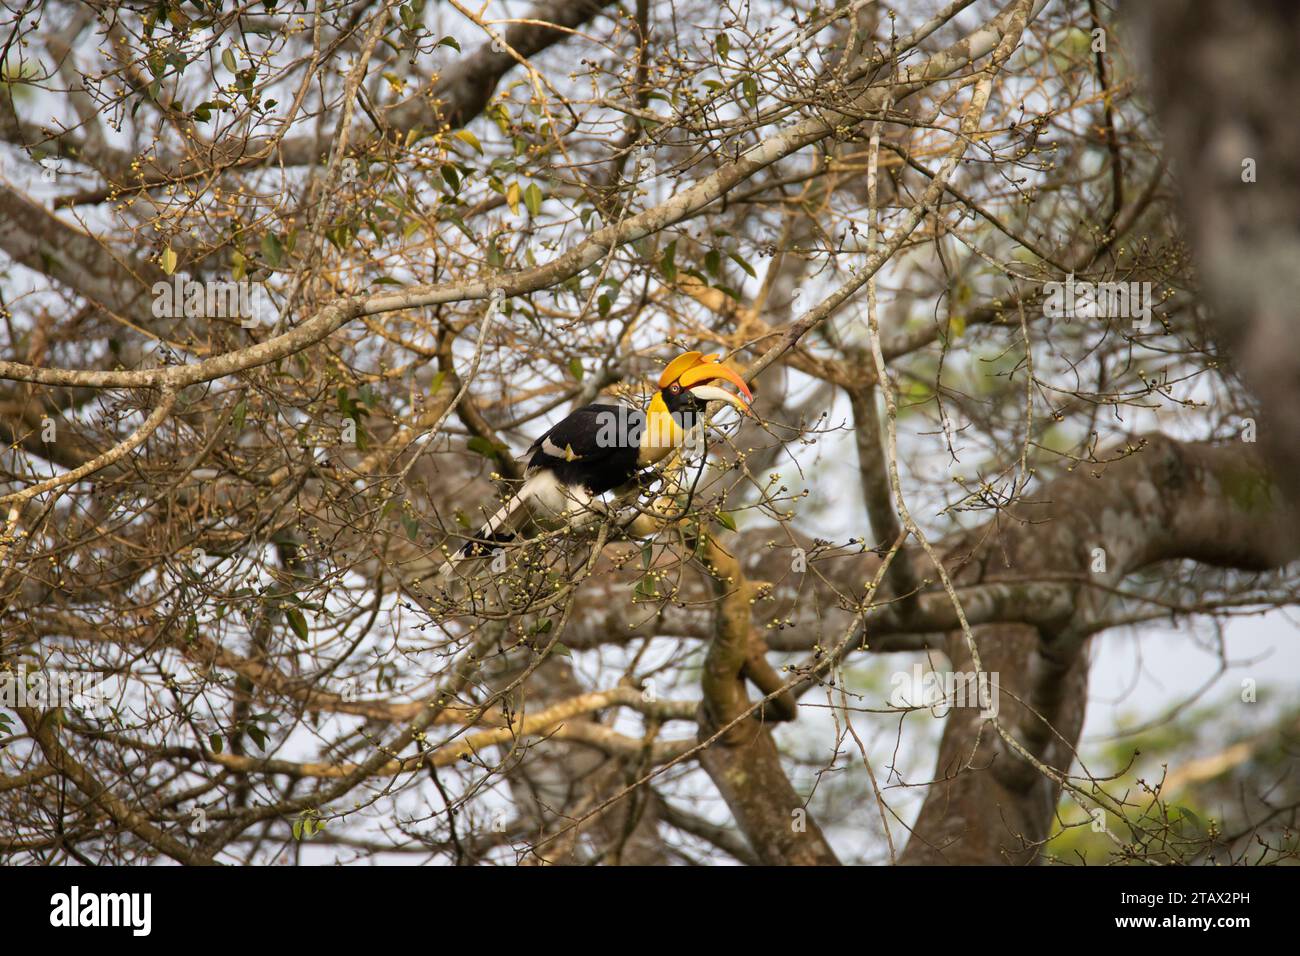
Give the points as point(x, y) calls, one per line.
point(694, 369)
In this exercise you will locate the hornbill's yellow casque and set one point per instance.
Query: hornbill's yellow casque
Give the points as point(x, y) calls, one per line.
point(602, 447)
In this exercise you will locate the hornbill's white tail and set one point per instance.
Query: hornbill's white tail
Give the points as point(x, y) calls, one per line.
point(541, 497)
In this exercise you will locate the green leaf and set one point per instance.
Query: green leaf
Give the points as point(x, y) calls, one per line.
point(297, 621)
point(561, 650)
point(724, 45)
point(575, 368)
point(258, 736)
point(449, 41)
point(215, 743)
point(726, 520)
point(228, 60)
point(743, 264)
point(239, 414)
point(411, 525)
point(272, 251)
point(750, 86)
point(168, 260)
point(465, 136)
point(460, 224)
point(668, 262)
point(435, 386)
point(481, 445)
point(533, 199)
point(297, 829)
point(341, 236)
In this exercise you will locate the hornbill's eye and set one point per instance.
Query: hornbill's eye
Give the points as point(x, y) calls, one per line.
point(674, 389)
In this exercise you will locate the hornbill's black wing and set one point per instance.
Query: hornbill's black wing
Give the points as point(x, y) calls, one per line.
point(596, 446)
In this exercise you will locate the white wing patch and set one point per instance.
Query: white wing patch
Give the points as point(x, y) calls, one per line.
point(555, 451)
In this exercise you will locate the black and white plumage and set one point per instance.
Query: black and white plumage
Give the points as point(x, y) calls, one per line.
point(574, 452)
point(601, 448)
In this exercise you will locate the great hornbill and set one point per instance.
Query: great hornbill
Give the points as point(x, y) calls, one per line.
point(601, 447)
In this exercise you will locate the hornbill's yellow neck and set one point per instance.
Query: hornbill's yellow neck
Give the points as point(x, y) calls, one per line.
point(662, 432)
